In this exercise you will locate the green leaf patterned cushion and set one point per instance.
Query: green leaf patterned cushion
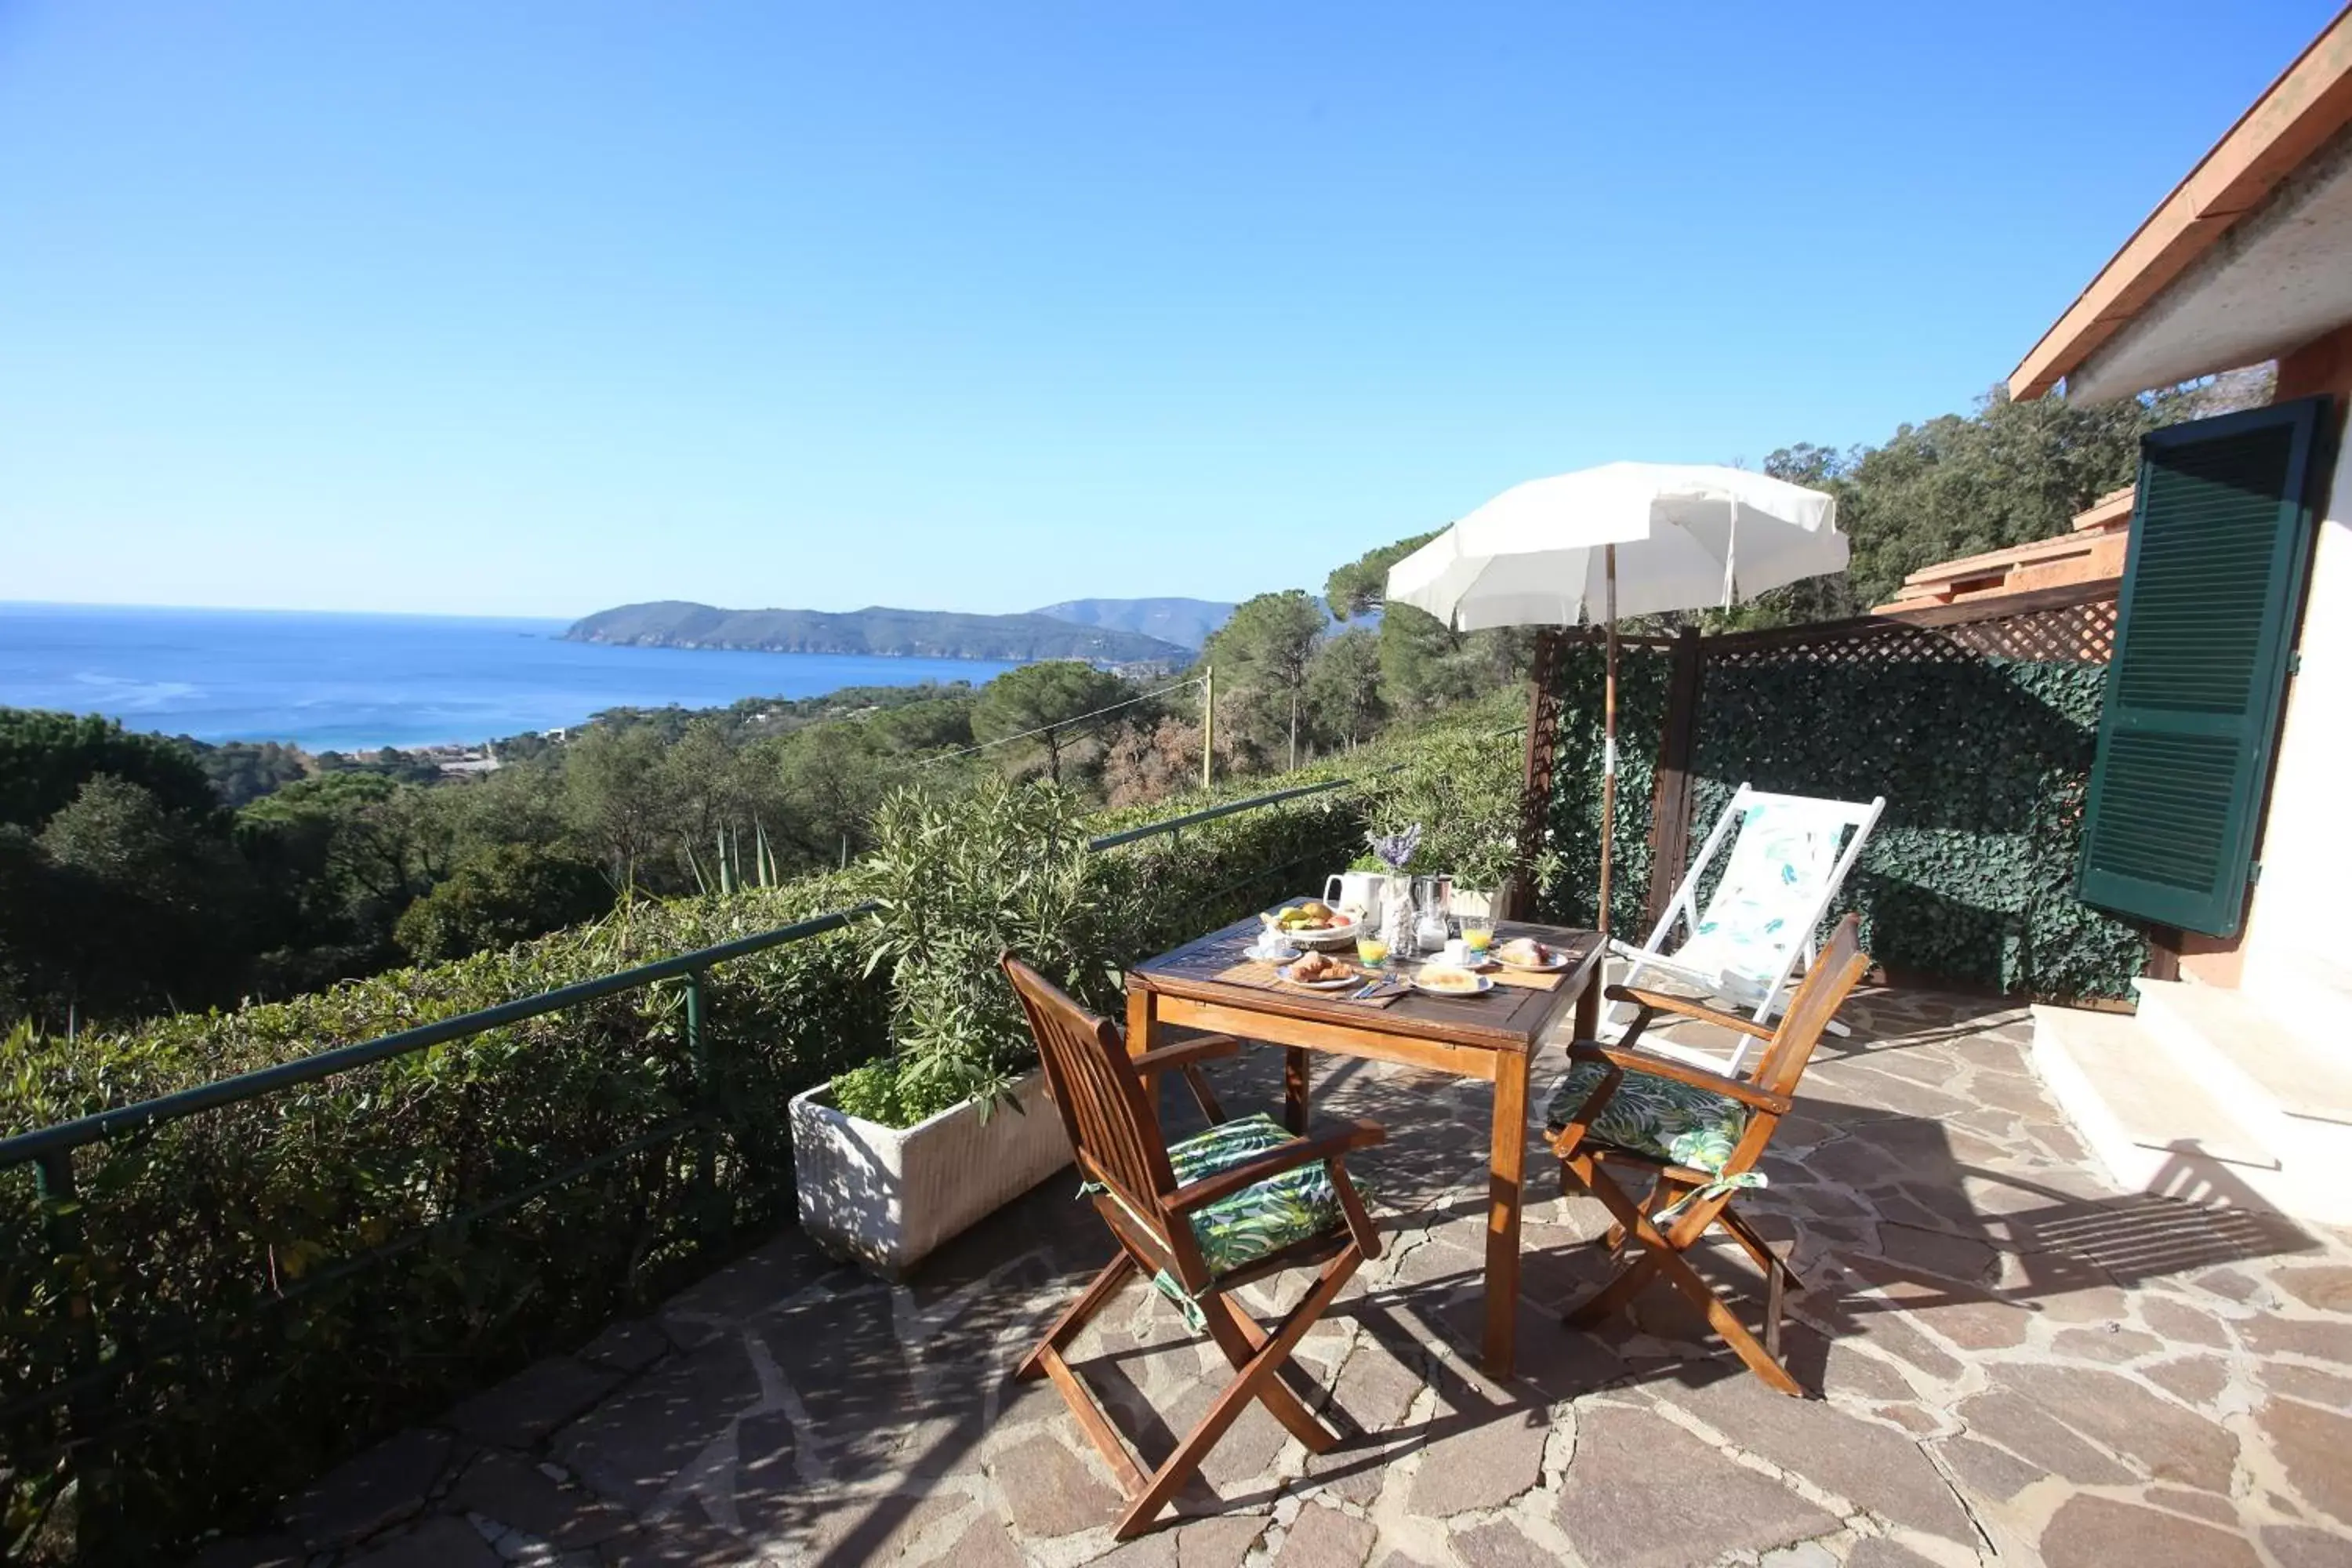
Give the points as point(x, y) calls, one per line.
point(1265, 1216)
point(1655, 1116)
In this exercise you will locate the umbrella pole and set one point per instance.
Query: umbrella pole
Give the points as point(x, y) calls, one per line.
point(1608, 746)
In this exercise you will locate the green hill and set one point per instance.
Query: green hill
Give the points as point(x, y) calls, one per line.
point(888, 633)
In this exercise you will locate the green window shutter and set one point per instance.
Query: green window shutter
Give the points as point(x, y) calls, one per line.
point(2220, 533)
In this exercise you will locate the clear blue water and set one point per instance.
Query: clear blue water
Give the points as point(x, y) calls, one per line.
point(346, 682)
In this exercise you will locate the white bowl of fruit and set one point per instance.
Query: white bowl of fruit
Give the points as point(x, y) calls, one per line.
point(1311, 924)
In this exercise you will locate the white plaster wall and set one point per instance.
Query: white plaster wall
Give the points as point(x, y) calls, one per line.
point(2300, 925)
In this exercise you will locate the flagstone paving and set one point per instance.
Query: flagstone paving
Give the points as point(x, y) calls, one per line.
point(2020, 1364)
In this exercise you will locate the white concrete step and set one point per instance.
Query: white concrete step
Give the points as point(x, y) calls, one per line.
point(2134, 1105)
point(2311, 994)
point(2254, 1060)
point(2158, 1126)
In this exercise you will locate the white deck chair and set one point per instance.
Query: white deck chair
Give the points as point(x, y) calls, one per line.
point(1790, 857)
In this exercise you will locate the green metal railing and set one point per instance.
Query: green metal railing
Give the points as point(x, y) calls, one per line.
point(49, 1146)
point(50, 1150)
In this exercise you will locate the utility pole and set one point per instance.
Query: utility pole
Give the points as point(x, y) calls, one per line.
point(1208, 721)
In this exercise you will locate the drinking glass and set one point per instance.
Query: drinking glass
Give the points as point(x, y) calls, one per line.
point(1372, 950)
point(1396, 916)
point(1478, 931)
point(1429, 896)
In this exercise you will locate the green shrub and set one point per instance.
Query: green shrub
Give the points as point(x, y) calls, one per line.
point(216, 1246)
point(1161, 891)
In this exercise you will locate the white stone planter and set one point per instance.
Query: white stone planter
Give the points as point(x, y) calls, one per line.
point(1472, 904)
point(888, 1195)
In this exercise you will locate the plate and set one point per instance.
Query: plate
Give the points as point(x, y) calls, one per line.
point(1485, 984)
point(1559, 961)
point(1346, 982)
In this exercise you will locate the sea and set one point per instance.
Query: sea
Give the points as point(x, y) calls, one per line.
point(358, 682)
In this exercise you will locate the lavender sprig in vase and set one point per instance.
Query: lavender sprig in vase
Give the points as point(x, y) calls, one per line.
point(1395, 851)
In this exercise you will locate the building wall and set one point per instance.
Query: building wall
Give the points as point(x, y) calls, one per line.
point(2298, 917)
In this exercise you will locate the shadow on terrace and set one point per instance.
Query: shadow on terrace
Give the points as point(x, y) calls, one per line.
point(2012, 1354)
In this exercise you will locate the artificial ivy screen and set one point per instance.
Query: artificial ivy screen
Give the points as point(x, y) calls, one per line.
point(1983, 761)
point(1574, 821)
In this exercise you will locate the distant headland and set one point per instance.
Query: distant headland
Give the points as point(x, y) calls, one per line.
point(874, 632)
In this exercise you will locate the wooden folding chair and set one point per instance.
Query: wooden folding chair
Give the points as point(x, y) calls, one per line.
point(1243, 1200)
point(1699, 1135)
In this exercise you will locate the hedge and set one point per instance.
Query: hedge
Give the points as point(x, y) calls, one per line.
point(287, 1272)
point(219, 1248)
point(1984, 762)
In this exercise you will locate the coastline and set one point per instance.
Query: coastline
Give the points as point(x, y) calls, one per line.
point(351, 683)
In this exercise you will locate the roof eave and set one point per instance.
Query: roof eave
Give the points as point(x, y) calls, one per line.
point(2311, 100)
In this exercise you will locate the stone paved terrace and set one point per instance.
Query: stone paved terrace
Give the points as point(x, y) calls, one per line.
point(2020, 1365)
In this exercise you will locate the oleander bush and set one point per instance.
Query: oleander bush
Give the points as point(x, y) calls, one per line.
point(957, 879)
point(960, 878)
point(1461, 783)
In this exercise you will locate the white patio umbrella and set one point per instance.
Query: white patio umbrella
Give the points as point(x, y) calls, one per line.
point(1632, 539)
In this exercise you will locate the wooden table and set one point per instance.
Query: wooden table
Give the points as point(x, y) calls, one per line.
point(1490, 1037)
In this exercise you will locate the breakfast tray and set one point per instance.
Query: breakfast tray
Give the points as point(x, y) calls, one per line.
point(1257, 971)
point(1529, 979)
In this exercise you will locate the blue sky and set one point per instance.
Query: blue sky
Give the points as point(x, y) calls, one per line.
point(538, 308)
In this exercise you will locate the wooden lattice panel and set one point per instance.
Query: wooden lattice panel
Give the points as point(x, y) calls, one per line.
point(2071, 634)
point(2081, 634)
